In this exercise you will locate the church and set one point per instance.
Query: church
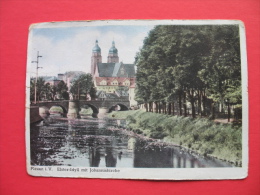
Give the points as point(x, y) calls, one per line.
point(111, 77)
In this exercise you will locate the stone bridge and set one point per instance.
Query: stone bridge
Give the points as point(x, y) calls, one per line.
point(71, 108)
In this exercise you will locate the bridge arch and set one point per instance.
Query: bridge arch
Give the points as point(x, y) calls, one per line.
point(94, 108)
point(114, 107)
point(61, 106)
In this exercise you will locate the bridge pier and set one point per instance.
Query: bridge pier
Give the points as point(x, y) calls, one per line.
point(102, 112)
point(73, 111)
point(34, 114)
point(44, 112)
point(71, 108)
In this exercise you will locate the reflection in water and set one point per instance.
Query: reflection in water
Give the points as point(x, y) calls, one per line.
point(120, 155)
point(110, 158)
point(94, 157)
point(131, 143)
point(105, 143)
point(153, 156)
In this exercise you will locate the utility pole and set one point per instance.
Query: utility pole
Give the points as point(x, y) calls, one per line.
point(37, 67)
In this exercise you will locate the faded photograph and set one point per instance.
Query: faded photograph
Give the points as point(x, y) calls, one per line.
point(135, 96)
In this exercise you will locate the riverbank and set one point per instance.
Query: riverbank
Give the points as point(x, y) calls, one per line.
point(222, 141)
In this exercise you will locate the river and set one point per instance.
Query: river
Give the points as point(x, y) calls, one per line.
point(94, 142)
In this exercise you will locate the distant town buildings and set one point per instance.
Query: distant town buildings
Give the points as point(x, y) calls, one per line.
point(52, 80)
point(67, 77)
point(113, 79)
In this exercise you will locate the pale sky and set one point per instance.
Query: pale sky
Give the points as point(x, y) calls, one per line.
point(70, 49)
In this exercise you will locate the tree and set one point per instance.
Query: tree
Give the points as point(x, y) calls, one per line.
point(43, 90)
point(53, 92)
point(82, 85)
point(62, 90)
point(93, 92)
point(143, 89)
point(222, 71)
point(192, 64)
point(32, 89)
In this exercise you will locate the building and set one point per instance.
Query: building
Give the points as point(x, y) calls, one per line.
point(114, 76)
point(113, 84)
point(52, 80)
point(69, 76)
point(132, 95)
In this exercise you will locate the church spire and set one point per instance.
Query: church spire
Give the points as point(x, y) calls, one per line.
point(96, 49)
point(96, 58)
point(113, 49)
point(112, 54)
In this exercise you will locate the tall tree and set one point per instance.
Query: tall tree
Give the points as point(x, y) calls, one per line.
point(62, 90)
point(189, 64)
point(82, 85)
point(222, 70)
point(43, 90)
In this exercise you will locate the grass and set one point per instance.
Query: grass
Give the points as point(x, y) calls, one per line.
point(121, 114)
point(223, 141)
point(56, 109)
point(86, 111)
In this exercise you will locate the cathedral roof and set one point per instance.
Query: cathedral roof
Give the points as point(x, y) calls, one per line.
point(96, 49)
point(113, 49)
point(113, 70)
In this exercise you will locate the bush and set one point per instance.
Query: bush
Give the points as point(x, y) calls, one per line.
point(130, 119)
point(207, 137)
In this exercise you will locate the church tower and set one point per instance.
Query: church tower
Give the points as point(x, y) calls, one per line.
point(112, 54)
point(96, 58)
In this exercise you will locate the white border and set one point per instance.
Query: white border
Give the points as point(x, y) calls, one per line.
point(149, 173)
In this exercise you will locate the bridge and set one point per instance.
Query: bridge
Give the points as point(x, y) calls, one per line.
point(71, 108)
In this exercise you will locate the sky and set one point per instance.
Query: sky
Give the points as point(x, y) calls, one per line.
point(70, 48)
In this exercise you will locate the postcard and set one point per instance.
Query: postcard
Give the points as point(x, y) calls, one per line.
point(137, 99)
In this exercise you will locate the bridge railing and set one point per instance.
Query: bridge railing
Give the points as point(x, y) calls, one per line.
point(40, 102)
point(65, 101)
point(107, 100)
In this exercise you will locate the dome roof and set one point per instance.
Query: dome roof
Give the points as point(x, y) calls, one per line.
point(96, 49)
point(113, 49)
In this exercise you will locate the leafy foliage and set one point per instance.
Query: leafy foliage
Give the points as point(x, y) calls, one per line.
point(191, 64)
point(46, 91)
point(62, 90)
point(43, 90)
point(83, 85)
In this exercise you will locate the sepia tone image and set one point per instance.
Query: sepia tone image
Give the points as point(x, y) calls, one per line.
point(116, 99)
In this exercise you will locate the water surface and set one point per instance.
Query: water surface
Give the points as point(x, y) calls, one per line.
point(94, 142)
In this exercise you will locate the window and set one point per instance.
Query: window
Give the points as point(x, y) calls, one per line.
point(103, 82)
point(122, 71)
point(115, 82)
